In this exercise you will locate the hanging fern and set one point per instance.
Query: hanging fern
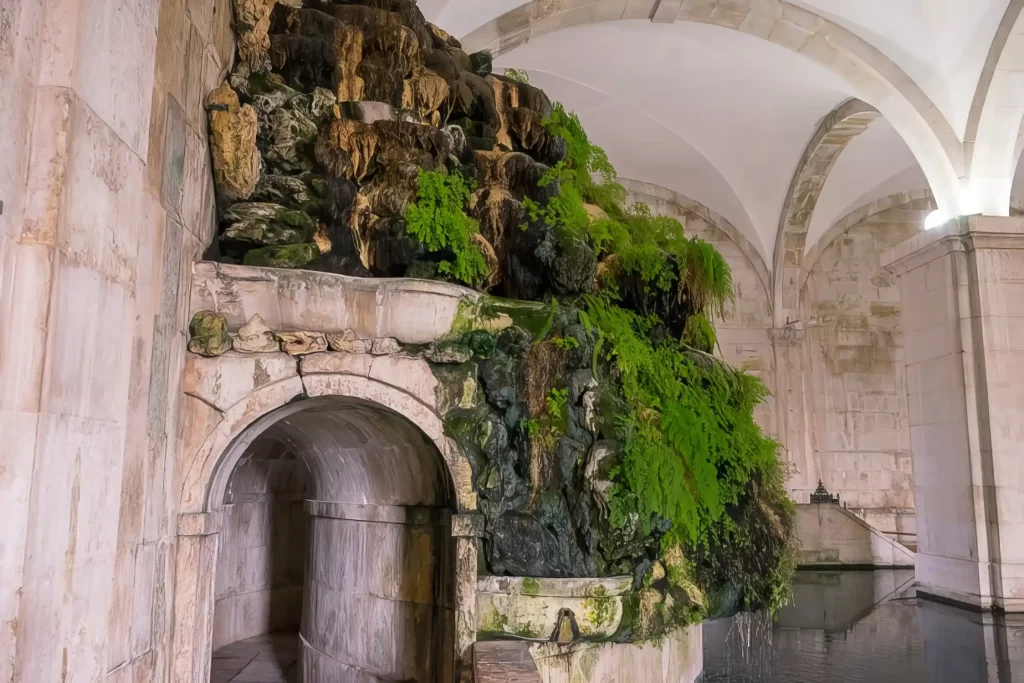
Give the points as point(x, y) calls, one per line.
point(708, 278)
point(690, 441)
point(699, 333)
point(438, 221)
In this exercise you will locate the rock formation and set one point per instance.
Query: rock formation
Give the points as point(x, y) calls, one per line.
point(354, 137)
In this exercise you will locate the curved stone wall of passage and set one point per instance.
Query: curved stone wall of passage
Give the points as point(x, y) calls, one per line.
point(377, 600)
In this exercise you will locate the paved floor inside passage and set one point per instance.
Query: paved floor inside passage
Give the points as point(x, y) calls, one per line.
point(270, 658)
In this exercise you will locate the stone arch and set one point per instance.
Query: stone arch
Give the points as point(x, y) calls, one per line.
point(993, 139)
point(854, 381)
point(876, 77)
point(835, 132)
point(309, 411)
point(211, 465)
point(853, 218)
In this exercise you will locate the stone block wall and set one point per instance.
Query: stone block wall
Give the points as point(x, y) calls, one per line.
point(855, 375)
point(262, 546)
point(108, 200)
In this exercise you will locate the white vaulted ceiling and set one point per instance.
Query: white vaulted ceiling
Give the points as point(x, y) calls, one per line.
point(695, 108)
point(723, 116)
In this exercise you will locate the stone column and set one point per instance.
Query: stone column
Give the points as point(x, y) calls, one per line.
point(962, 289)
point(791, 409)
point(194, 589)
point(466, 529)
point(375, 593)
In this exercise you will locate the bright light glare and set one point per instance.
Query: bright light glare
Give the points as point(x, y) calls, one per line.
point(935, 219)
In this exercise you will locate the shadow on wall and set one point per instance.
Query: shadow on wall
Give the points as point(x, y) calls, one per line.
point(262, 545)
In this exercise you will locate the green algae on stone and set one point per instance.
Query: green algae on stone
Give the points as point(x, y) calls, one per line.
point(286, 256)
point(263, 233)
point(494, 622)
point(530, 586)
point(208, 334)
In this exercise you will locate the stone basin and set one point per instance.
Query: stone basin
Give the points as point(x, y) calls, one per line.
point(542, 609)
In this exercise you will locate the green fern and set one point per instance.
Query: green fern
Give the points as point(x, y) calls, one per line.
point(437, 220)
point(708, 278)
point(699, 333)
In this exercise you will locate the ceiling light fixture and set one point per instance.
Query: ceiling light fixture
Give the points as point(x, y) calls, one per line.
point(935, 219)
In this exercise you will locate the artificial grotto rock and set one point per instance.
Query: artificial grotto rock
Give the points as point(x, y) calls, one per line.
point(255, 337)
point(354, 137)
point(208, 334)
point(332, 110)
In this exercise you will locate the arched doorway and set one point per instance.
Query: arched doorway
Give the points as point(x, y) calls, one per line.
point(335, 554)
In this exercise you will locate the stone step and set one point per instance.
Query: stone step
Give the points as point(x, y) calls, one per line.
point(504, 661)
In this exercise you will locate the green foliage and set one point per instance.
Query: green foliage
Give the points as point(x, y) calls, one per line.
point(438, 221)
point(517, 75)
point(565, 211)
point(566, 343)
point(584, 160)
point(708, 278)
point(699, 333)
point(549, 322)
point(690, 444)
point(556, 406)
point(695, 477)
point(752, 545)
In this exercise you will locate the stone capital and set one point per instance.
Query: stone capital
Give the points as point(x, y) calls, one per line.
point(467, 526)
point(198, 523)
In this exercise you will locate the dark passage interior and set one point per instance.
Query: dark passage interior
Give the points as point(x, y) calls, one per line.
point(334, 557)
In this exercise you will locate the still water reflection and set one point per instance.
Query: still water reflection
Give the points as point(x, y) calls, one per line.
point(864, 627)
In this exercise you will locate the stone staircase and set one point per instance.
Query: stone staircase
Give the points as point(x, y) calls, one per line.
point(504, 661)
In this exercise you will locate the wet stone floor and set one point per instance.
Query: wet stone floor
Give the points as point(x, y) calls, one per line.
point(270, 658)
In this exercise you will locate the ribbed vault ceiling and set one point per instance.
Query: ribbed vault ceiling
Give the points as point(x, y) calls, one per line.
point(723, 117)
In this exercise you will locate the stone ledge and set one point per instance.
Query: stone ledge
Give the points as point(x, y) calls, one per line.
point(386, 514)
point(198, 523)
point(411, 311)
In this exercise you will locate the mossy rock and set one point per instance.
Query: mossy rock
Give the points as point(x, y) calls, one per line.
point(287, 256)
point(208, 334)
point(448, 352)
point(482, 63)
point(481, 342)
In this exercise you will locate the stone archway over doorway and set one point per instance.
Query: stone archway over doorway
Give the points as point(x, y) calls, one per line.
point(379, 592)
point(375, 592)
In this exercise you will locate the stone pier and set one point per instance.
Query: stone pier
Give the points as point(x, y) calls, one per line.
point(964, 339)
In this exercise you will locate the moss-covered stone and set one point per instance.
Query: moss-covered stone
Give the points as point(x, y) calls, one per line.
point(208, 334)
point(287, 256)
